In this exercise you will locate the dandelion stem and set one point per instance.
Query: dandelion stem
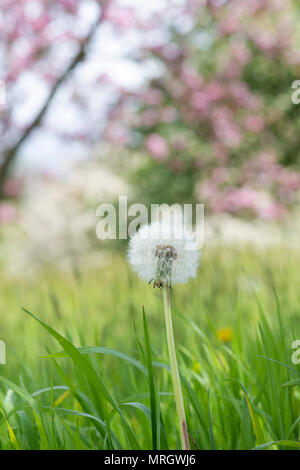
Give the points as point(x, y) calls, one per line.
point(174, 371)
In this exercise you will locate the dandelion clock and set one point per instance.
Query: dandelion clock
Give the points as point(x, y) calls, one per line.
point(164, 255)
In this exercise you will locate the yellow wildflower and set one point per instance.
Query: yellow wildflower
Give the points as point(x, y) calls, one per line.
point(225, 335)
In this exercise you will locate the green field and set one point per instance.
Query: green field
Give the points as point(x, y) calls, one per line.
point(107, 395)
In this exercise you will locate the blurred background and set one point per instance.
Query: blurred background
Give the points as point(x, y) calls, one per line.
point(170, 101)
point(165, 101)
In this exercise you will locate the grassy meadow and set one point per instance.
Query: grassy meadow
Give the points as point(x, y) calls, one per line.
point(105, 382)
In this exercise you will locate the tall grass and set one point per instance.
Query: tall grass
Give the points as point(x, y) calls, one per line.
point(86, 370)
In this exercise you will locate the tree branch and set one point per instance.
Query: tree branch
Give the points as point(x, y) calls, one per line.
point(11, 153)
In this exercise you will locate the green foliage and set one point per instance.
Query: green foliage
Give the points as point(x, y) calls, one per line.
point(165, 186)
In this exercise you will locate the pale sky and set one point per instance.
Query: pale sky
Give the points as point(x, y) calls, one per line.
point(44, 151)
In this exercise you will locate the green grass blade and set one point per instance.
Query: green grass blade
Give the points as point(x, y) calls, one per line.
point(153, 392)
point(89, 372)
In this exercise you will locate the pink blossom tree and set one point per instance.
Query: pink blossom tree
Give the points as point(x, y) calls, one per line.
point(217, 124)
point(213, 122)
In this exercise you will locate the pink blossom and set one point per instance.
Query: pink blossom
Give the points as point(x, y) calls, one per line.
point(123, 17)
point(220, 175)
point(225, 127)
point(229, 25)
point(271, 42)
point(242, 95)
point(293, 56)
point(149, 117)
point(240, 198)
point(41, 22)
point(70, 5)
point(214, 91)
point(271, 211)
point(256, 6)
point(265, 41)
point(208, 190)
point(157, 146)
point(191, 78)
point(240, 53)
point(12, 187)
point(200, 101)
point(220, 151)
point(168, 114)
point(171, 52)
point(7, 212)
point(232, 70)
point(153, 97)
point(288, 180)
point(118, 134)
point(254, 123)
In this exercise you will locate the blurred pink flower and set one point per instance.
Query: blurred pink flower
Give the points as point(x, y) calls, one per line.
point(41, 22)
point(172, 51)
point(232, 70)
point(254, 123)
point(225, 128)
point(240, 53)
point(12, 187)
point(293, 56)
point(220, 151)
point(240, 198)
point(168, 114)
point(149, 117)
point(214, 91)
point(266, 172)
point(240, 92)
point(153, 97)
point(69, 5)
point(271, 211)
point(273, 42)
point(157, 146)
point(177, 89)
point(7, 212)
point(220, 175)
point(200, 101)
point(289, 181)
point(264, 41)
point(118, 134)
point(191, 78)
point(229, 25)
point(123, 17)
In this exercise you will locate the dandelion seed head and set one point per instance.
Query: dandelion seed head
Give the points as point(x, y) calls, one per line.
point(164, 254)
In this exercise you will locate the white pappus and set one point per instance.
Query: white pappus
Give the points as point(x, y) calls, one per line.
point(164, 254)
